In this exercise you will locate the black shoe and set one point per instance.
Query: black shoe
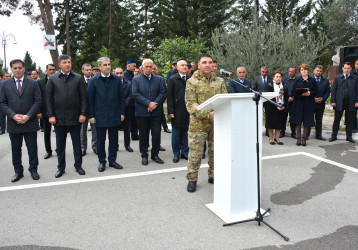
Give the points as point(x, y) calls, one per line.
point(320, 138)
point(17, 177)
point(135, 137)
point(293, 136)
point(161, 148)
point(203, 156)
point(35, 176)
point(355, 130)
point(272, 143)
point(282, 134)
point(211, 180)
point(279, 143)
point(191, 186)
point(83, 152)
point(80, 171)
point(167, 130)
point(42, 130)
point(267, 133)
point(176, 159)
point(48, 155)
point(157, 159)
point(2, 132)
point(95, 151)
point(115, 165)
point(332, 139)
point(59, 173)
point(128, 148)
point(101, 167)
point(145, 160)
point(350, 139)
point(185, 157)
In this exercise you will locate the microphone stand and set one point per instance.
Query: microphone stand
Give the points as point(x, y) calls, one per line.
point(259, 217)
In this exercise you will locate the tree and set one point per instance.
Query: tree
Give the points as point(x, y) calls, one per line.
point(269, 44)
point(176, 49)
point(29, 64)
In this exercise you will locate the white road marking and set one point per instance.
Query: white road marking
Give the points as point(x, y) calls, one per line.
point(162, 171)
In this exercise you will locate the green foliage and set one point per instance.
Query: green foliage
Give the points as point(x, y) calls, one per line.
point(177, 49)
point(270, 44)
point(29, 65)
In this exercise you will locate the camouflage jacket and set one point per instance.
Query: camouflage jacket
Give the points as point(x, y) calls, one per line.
point(198, 90)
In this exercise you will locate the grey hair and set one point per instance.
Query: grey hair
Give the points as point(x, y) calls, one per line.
point(63, 57)
point(147, 60)
point(101, 59)
point(319, 67)
point(240, 67)
point(86, 65)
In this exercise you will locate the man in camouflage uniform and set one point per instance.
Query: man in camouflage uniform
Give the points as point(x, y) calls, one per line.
point(200, 87)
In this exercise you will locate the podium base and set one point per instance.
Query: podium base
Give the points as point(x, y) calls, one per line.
point(230, 218)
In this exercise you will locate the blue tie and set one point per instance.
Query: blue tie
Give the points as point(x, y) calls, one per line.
point(264, 82)
point(183, 77)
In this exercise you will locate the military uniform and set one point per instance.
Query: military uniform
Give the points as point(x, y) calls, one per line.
point(201, 129)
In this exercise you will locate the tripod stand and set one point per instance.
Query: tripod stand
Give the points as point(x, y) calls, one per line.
point(259, 217)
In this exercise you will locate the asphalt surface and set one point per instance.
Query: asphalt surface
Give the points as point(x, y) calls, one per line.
point(312, 196)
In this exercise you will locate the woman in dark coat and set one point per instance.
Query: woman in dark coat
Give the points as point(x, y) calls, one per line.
point(275, 116)
point(304, 90)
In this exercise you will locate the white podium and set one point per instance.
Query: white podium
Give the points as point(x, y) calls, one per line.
point(235, 188)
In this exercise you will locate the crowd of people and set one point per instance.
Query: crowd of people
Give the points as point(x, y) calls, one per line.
point(105, 101)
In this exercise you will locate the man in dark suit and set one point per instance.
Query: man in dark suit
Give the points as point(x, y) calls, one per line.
point(178, 112)
point(106, 107)
point(355, 123)
point(149, 93)
point(344, 97)
point(20, 99)
point(2, 114)
point(50, 70)
point(234, 87)
point(288, 82)
point(127, 90)
point(66, 102)
point(320, 101)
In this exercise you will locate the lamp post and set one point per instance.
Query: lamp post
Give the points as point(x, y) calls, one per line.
point(4, 43)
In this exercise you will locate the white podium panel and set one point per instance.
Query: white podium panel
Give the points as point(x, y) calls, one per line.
point(235, 158)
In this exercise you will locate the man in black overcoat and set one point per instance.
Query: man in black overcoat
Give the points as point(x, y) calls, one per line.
point(20, 99)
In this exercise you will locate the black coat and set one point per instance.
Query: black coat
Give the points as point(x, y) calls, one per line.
point(66, 100)
point(338, 91)
point(127, 89)
point(42, 84)
point(303, 107)
point(258, 85)
point(176, 101)
point(288, 84)
point(28, 103)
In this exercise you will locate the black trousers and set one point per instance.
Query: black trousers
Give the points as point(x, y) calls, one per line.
point(16, 150)
point(133, 120)
point(47, 135)
point(126, 130)
point(164, 120)
point(61, 136)
point(112, 144)
point(318, 116)
point(2, 121)
point(145, 125)
point(348, 119)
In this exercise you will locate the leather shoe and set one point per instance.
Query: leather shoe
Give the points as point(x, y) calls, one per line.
point(101, 167)
point(294, 136)
point(332, 139)
point(211, 180)
point(129, 149)
point(320, 138)
point(83, 152)
point(80, 171)
point(176, 159)
point(167, 130)
point(157, 159)
point(59, 173)
point(115, 165)
point(95, 151)
point(35, 176)
point(145, 160)
point(135, 137)
point(48, 155)
point(2, 132)
point(191, 186)
point(203, 156)
point(185, 157)
point(161, 148)
point(17, 177)
point(350, 139)
point(282, 134)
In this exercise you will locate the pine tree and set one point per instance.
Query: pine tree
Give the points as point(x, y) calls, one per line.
point(29, 64)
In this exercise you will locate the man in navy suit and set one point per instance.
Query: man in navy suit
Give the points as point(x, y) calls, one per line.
point(288, 82)
point(355, 72)
point(234, 87)
point(320, 101)
point(20, 99)
point(344, 98)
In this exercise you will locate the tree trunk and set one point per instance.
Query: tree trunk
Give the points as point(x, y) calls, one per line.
point(67, 14)
point(110, 29)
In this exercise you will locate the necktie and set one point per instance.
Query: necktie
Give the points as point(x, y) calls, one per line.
point(317, 79)
point(265, 82)
point(87, 80)
point(345, 76)
point(183, 77)
point(19, 86)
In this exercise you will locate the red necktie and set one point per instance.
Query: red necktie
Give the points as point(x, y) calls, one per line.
point(19, 86)
point(87, 80)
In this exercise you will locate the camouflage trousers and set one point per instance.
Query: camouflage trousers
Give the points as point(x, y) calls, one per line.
point(196, 142)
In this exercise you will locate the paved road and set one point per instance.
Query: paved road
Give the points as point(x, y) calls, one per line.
point(312, 195)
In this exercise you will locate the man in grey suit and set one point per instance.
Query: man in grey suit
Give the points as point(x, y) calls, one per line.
point(261, 82)
point(20, 99)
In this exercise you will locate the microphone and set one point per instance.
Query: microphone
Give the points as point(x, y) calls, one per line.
point(224, 72)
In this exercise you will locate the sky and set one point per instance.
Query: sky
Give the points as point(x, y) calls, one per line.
point(28, 38)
